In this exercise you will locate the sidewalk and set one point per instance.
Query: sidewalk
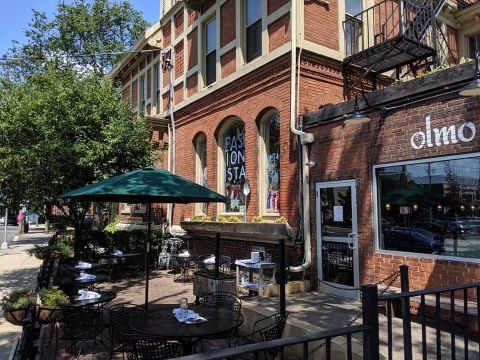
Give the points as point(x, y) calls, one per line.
point(17, 270)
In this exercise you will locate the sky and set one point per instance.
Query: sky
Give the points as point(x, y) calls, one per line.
point(16, 14)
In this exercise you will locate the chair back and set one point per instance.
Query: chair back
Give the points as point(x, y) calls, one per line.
point(225, 299)
point(78, 322)
point(121, 317)
point(274, 332)
point(141, 347)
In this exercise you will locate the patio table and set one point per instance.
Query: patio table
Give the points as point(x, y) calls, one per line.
point(162, 323)
point(116, 262)
point(105, 297)
point(72, 285)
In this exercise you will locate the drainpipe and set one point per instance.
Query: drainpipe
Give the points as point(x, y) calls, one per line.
point(304, 139)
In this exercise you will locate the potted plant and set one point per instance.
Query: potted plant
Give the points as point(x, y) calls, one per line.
point(51, 303)
point(39, 251)
point(60, 249)
point(16, 304)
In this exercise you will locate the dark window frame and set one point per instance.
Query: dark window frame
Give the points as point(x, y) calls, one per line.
point(210, 56)
point(156, 74)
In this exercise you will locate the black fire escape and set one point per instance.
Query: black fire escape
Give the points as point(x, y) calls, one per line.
point(388, 36)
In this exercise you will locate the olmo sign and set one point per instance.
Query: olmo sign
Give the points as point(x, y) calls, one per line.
point(443, 136)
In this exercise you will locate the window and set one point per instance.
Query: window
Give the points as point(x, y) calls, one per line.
point(473, 45)
point(353, 26)
point(253, 11)
point(430, 207)
point(210, 52)
point(233, 147)
point(271, 136)
point(157, 87)
point(143, 93)
point(201, 169)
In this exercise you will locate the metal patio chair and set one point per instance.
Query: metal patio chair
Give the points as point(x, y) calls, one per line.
point(120, 317)
point(140, 347)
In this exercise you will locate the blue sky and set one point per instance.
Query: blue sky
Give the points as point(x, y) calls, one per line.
point(16, 14)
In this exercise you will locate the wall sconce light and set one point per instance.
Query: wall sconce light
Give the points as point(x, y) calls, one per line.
point(356, 117)
point(462, 207)
point(387, 206)
point(439, 207)
point(473, 88)
point(415, 207)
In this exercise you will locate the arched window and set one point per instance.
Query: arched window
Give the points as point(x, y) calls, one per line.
point(201, 169)
point(270, 171)
point(233, 150)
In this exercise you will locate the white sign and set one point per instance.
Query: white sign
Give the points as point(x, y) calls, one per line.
point(446, 135)
point(404, 210)
point(338, 213)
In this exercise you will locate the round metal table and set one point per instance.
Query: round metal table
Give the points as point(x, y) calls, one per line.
point(162, 323)
point(105, 296)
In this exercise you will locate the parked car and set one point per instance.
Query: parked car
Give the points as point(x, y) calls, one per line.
point(2, 220)
point(413, 240)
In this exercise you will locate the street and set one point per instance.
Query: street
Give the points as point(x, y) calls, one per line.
point(11, 233)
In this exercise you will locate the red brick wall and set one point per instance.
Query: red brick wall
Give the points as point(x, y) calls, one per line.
point(178, 93)
point(207, 5)
point(279, 32)
point(178, 64)
point(165, 100)
point(273, 5)
point(167, 34)
point(192, 48)
point(192, 85)
point(321, 23)
point(192, 16)
point(126, 78)
point(337, 157)
point(135, 93)
point(227, 62)
point(165, 76)
point(227, 22)
point(178, 21)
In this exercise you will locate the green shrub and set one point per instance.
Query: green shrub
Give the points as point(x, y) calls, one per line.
point(17, 299)
point(53, 298)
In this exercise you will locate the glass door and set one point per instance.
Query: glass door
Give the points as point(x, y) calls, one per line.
point(337, 240)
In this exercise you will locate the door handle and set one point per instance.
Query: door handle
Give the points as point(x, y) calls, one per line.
point(351, 237)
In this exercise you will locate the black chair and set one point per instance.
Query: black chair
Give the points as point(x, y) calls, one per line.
point(224, 299)
point(83, 325)
point(140, 347)
point(266, 329)
point(120, 317)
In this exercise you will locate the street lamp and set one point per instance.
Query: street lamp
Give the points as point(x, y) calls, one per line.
point(356, 117)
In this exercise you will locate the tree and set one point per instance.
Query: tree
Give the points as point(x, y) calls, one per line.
point(75, 32)
point(61, 130)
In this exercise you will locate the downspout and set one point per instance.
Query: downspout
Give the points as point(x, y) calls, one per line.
point(172, 147)
point(304, 139)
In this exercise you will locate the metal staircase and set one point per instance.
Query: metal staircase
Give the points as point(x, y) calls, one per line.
point(387, 36)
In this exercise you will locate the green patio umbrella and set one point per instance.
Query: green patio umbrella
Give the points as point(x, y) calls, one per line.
point(148, 185)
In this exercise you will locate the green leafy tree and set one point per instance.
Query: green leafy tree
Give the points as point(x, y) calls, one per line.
point(76, 31)
point(61, 130)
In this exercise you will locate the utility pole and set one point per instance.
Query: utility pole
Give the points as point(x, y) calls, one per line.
point(4, 244)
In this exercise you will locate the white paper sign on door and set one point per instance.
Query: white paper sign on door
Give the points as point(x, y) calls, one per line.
point(338, 213)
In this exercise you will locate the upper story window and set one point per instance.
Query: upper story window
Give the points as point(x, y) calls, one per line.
point(201, 169)
point(143, 93)
point(473, 45)
point(353, 27)
point(271, 183)
point(253, 26)
point(210, 51)
point(157, 87)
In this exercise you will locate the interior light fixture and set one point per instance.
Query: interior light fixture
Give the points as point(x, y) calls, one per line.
point(387, 206)
point(439, 207)
point(415, 207)
point(473, 89)
point(356, 117)
point(462, 207)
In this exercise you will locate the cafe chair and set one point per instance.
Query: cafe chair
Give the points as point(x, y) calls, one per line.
point(223, 299)
point(140, 347)
point(266, 329)
point(81, 326)
point(120, 317)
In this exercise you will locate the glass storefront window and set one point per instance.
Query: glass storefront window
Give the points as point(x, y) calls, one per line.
point(234, 161)
point(430, 207)
point(272, 168)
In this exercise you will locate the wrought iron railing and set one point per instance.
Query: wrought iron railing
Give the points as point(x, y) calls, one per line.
point(389, 19)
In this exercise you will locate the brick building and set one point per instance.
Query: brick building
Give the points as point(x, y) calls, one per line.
point(224, 84)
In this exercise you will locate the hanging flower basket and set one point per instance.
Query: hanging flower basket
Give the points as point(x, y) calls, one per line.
point(48, 315)
point(16, 316)
point(39, 255)
point(52, 302)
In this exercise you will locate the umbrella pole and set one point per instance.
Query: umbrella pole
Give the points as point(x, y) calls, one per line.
point(147, 253)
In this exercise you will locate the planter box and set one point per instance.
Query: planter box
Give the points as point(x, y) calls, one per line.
point(205, 283)
point(269, 233)
point(17, 316)
point(292, 287)
point(48, 315)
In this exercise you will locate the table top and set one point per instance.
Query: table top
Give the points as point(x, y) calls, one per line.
point(162, 323)
point(105, 296)
point(98, 278)
point(93, 266)
point(113, 256)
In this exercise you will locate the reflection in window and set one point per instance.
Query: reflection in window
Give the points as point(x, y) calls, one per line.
point(234, 161)
point(210, 52)
point(253, 19)
point(201, 169)
point(431, 207)
point(353, 26)
point(473, 45)
point(272, 168)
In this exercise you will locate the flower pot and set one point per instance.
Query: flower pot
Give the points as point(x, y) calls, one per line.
point(39, 255)
point(55, 255)
point(48, 315)
point(15, 316)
